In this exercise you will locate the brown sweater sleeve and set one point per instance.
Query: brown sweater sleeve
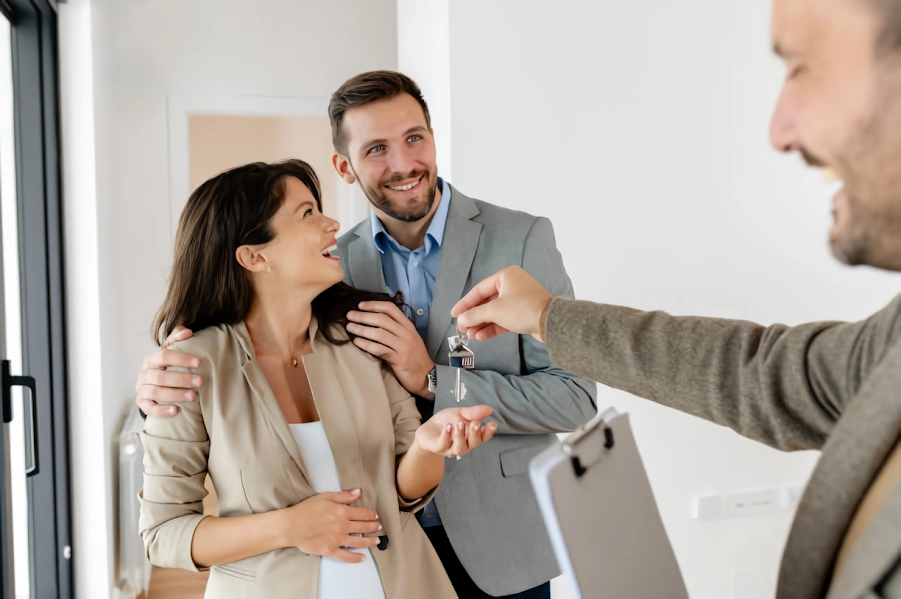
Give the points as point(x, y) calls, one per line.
point(780, 385)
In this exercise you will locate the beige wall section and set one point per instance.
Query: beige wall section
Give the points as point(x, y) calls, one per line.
point(220, 142)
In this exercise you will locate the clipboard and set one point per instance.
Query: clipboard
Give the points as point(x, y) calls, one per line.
point(601, 515)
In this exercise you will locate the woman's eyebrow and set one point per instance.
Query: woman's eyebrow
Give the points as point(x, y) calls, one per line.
point(301, 205)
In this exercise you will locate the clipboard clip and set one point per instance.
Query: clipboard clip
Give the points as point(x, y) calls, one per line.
point(569, 444)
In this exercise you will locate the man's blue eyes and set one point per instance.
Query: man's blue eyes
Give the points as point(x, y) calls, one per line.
point(378, 148)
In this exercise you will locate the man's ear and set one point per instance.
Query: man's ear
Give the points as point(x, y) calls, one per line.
point(251, 258)
point(342, 167)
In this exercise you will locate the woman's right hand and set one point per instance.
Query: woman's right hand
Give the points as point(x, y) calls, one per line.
point(324, 523)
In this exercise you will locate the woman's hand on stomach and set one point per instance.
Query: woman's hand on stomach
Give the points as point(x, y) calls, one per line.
point(324, 523)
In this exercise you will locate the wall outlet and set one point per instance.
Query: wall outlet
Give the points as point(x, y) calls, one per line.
point(751, 503)
point(706, 507)
point(791, 495)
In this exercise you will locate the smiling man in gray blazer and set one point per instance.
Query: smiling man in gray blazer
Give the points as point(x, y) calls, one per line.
point(831, 386)
point(430, 242)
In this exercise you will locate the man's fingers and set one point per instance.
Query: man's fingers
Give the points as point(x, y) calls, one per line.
point(379, 320)
point(151, 408)
point(180, 333)
point(488, 331)
point(388, 308)
point(485, 291)
point(376, 349)
point(165, 394)
point(169, 378)
point(171, 357)
point(482, 315)
point(377, 334)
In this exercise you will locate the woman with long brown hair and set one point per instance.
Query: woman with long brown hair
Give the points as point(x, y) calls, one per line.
point(316, 453)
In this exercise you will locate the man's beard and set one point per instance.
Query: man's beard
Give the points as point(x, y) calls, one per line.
point(852, 246)
point(381, 201)
point(872, 234)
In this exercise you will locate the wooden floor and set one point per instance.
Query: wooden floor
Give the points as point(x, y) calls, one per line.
point(177, 584)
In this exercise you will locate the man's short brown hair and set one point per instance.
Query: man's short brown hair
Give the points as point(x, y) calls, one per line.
point(364, 89)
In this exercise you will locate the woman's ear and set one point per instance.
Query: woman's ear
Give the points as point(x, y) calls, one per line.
point(252, 258)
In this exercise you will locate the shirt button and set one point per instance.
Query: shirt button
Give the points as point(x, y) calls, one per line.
point(415, 262)
point(420, 311)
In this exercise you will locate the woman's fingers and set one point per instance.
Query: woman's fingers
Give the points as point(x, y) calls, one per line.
point(458, 447)
point(348, 557)
point(473, 435)
point(488, 431)
point(446, 440)
point(359, 542)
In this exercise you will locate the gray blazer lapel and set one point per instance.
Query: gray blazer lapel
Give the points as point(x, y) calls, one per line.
point(877, 550)
point(364, 263)
point(458, 249)
point(853, 454)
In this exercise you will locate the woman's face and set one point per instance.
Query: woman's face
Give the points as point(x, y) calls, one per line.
point(299, 254)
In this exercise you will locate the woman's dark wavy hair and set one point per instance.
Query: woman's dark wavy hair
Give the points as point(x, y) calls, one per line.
point(208, 286)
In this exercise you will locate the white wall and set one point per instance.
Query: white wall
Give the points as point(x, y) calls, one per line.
point(423, 53)
point(120, 61)
point(641, 131)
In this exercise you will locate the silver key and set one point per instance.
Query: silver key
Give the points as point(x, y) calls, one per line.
point(460, 357)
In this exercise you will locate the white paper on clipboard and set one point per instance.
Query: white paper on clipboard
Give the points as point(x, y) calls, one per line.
point(601, 514)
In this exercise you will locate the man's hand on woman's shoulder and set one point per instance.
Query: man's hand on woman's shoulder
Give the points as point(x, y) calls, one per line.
point(158, 385)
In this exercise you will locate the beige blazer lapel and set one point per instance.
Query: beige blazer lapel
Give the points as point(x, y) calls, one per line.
point(325, 376)
point(267, 401)
point(364, 263)
point(855, 451)
point(458, 249)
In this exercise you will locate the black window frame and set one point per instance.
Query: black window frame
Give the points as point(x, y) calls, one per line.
point(35, 69)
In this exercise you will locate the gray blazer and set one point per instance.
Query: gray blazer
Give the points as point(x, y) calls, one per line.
point(830, 386)
point(485, 500)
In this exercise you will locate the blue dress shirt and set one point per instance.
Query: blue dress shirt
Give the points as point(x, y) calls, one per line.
point(413, 273)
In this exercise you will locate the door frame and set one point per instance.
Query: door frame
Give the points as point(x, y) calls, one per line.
point(41, 260)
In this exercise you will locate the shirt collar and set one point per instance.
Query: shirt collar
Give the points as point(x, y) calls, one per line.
point(434, 234)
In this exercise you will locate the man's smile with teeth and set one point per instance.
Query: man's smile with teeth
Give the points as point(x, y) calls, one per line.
point(406, 187)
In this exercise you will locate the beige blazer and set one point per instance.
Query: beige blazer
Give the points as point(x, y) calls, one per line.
point(236, 431)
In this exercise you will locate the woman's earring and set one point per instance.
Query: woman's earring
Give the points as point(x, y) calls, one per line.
point(269, 269)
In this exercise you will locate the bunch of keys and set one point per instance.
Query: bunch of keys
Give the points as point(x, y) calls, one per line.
point(460, 357)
